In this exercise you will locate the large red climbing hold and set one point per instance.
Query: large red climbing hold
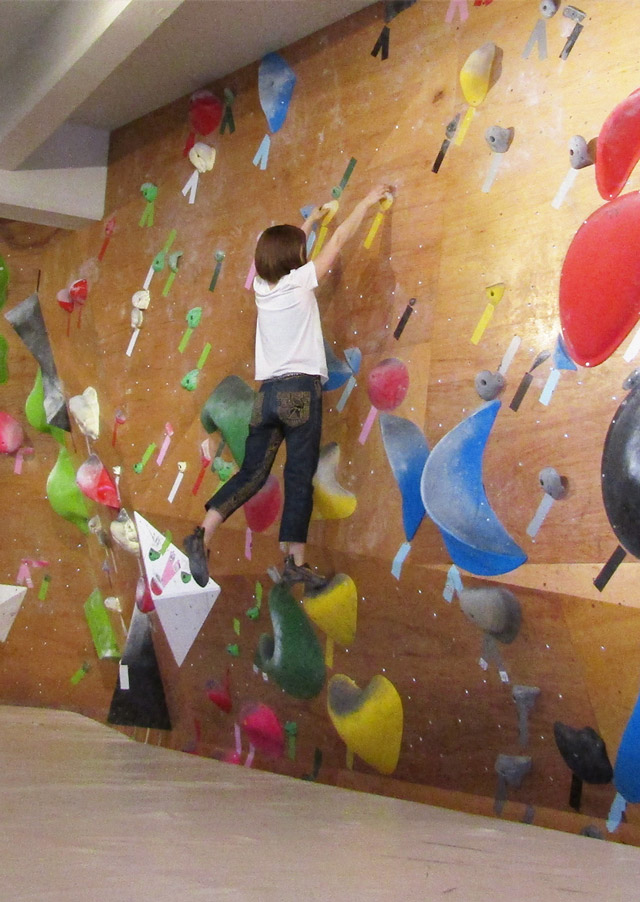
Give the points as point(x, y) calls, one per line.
point(600, 282)
point(618, 148)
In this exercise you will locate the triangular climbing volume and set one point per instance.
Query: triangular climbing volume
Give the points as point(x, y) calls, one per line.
point(140, 702)
point(182, 606)
point(10, 601)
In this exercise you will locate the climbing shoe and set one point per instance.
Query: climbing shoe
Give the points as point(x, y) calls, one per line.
point(302, 573)
point(198, 564)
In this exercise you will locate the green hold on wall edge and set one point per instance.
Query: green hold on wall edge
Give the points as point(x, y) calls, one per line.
point(63, 493)
point(35, 413)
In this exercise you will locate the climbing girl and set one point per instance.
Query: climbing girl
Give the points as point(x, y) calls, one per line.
point(291, 365)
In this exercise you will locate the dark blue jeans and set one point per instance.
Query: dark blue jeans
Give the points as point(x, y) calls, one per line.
point(289, 409)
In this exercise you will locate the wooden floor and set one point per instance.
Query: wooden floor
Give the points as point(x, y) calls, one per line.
point(91, 815)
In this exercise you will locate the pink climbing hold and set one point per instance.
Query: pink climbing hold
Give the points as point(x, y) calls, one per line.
point(262, 510)
point(388, 383)
point(144, 600)
point(11, 434)
point(220, 694)
point(94, 481)
point(264, 730)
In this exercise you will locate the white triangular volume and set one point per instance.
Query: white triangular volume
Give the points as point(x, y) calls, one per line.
point(168, 574)
point(10, 601)
point(182, 607)
point(182, 619)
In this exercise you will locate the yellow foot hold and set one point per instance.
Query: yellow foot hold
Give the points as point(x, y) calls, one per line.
point(335, 609)
point(475, 75)
point(330, 500)
point(369, 721)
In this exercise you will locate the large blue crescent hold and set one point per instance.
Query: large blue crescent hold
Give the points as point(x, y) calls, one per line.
point(626, 773)
point(454, 497)
point(407, 452)
point(276, 80)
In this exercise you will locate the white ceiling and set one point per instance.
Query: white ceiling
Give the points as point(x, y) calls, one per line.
point(71, 71)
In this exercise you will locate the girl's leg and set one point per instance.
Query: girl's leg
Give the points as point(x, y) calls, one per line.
point(264, 439)
point(300, 411)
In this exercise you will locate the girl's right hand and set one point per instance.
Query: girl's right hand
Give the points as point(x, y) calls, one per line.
point(378, 193)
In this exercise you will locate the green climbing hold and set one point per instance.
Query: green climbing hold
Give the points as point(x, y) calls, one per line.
point(228, 408)
point(63, 493)
point(102, 633)
point(224, 469)
point(190, 381)
point(174, 260)
point(35, 412)
point(193, 317)
point(294, 657)
point(149, 191)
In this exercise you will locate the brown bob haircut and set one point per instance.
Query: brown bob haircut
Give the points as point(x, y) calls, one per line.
point(280, 249)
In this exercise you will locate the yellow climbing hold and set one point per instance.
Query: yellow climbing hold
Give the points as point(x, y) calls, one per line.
point(335, 609)
point(475, 75)
point(369, 721)
point(329, 209)
point(495, 293)
point(330, 500)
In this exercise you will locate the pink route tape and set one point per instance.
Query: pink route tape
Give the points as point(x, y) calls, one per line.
point(24, 573)
point(250, 277)
point(20, 455)
point(168, 433)
point(368, 423)
point(459, 6)
point(248, 543)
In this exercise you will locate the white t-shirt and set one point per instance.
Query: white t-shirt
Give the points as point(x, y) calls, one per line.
point(288, 332)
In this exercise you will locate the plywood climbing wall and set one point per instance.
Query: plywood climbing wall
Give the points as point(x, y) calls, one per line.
point(478, 246)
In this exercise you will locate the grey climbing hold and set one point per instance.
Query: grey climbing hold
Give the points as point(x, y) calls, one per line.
point(495, 610)
point(549, 8)
point(525, 698)
point(579, 153)
point(552, 483)
point(499, 139)
point(489, 385)
point(632, 381)
point(592, 831)
point(511, 770)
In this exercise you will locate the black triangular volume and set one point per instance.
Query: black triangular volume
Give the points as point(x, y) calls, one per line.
point(143, 704)
point(391, 9)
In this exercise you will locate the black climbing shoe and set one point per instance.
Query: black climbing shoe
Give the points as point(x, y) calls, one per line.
point(198, 564)
point(302, 573)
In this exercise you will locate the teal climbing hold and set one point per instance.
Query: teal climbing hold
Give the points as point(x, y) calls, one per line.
point(228, 408)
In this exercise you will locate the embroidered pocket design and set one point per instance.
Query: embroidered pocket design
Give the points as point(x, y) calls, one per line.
point(294, 407)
